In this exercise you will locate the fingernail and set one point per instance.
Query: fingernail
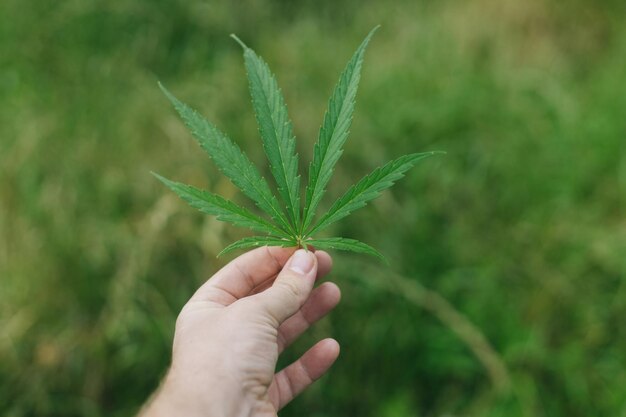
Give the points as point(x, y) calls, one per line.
point(301, 262)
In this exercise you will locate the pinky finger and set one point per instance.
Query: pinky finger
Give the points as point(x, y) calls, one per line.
point(295, 378)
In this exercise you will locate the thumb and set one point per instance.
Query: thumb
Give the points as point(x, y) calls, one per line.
point(291, 287)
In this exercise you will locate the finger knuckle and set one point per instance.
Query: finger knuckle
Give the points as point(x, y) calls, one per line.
point(290, 288)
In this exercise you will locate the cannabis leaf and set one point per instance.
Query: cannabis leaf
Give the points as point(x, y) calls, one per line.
point(225, 210)
point(288, 224)
point(231, 161)
point(341, 243)
point(256, 241)
point(368, 189)
point(334, 131)
point(275, 127)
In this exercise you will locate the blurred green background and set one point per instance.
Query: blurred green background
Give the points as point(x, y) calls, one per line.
point(506, 294)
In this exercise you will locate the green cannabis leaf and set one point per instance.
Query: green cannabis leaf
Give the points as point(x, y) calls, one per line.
point(275, 127)
point(334, 132)
point(288, 224)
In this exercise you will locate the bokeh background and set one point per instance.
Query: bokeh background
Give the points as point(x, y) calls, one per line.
point(506, 293)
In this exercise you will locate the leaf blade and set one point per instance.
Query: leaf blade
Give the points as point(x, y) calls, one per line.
point(340, 243)
point(334, 131)
point(368, 188)
point(223, 209)
point(276, 131)
point(255, 242)
point(230, 160)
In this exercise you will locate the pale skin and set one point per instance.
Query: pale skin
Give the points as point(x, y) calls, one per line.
point(229, 335)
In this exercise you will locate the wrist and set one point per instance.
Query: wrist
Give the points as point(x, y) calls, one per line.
point(178, 396)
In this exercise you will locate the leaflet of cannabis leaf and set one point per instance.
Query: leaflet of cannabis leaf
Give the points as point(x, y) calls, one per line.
point(288, 224)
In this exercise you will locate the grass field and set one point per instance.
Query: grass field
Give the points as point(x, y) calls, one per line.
point(506, 293)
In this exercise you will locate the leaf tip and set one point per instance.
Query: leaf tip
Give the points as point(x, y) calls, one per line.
point(435, 153)
point(375, 253)
point(167, 93)
point(371, 32)
point(240, 42)
point(162, 179)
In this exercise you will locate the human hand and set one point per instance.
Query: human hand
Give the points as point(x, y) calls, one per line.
point(230, 333)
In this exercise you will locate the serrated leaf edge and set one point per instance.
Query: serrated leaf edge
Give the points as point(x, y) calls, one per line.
point(255, 242)
point(278, 140)
point(219, 207)
point(334, 131)
point(248, 179)
point(368, 184)
point(346, 244)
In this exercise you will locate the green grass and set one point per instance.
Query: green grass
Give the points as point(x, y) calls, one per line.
point(520, 228)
